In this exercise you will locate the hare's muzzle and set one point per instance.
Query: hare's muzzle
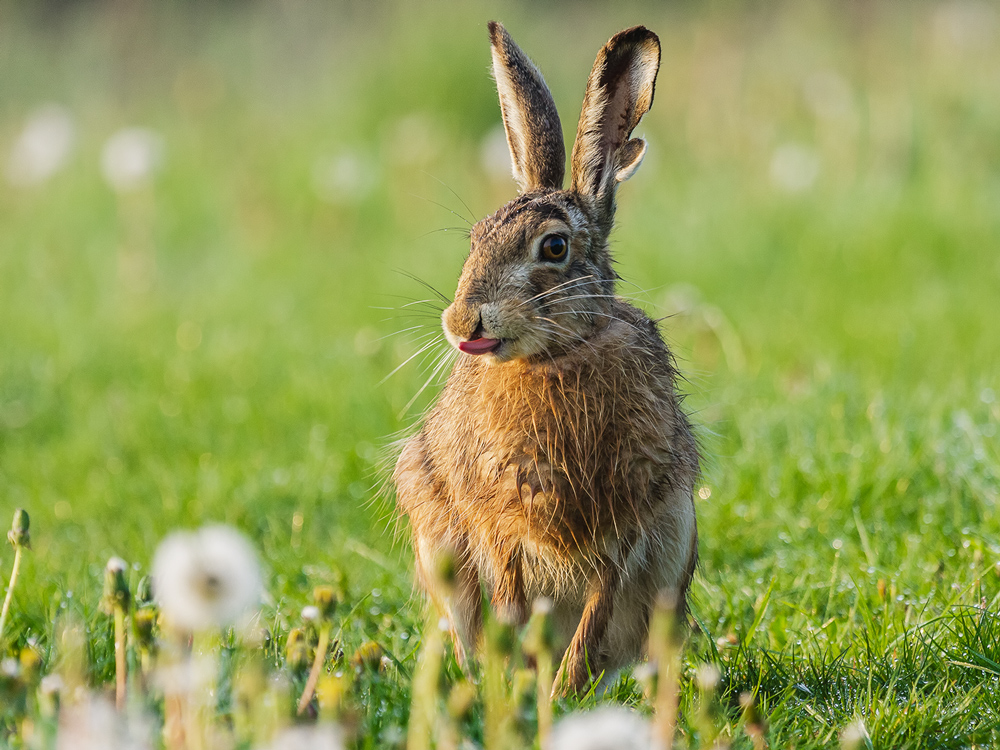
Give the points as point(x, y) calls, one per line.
point(478, 346)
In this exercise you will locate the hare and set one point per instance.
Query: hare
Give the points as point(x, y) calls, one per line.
point(557, 461)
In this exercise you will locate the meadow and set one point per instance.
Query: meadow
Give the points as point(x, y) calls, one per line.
point(225, 334)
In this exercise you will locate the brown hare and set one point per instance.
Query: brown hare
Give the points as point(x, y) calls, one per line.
point(557, 461)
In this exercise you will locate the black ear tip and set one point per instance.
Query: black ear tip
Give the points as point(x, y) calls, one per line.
point(496, 31)
point(636, 35)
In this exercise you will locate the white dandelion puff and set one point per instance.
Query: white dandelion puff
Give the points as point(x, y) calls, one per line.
point(319, 737)
point(206, 579)
point(346, 178)
point(794, 167)
point(92, 723)
point(853, 735)
point(130, 158)
point(607, 728)
point(42, 147)
point(494, 155)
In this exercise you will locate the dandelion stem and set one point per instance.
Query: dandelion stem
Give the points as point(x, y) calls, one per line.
point(425, 686)
point(544, 697)
point(664, 647)
point(10, 588)
point(317, 667)
point(120, 668)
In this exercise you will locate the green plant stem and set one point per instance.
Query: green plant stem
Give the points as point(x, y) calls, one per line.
point(121, 671)
point(667, 654)
point(10, 588)
point(317, 667)
point(544, 697)
point(425, 687)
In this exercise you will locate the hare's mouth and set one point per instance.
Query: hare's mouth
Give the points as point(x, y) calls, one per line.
point(479, 346)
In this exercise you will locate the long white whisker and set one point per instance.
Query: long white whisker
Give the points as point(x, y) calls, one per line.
point(406, 361)
point(570, 283)
point(442, 360)
point(599, 314)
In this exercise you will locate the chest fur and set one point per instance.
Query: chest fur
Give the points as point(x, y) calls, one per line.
point(557, 457)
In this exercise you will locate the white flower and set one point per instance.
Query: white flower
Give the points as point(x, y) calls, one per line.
point(130, 157)
point(494, 155)
point(347, 178)
point(92, 723)
point(318, 737)
point(205, 579)
point(794, 167)
point(310, 614)
point(853, 735)
point(43, 146)
point(605, 728)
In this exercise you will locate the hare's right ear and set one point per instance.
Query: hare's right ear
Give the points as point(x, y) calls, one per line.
point(534, 134)
point(619, 93)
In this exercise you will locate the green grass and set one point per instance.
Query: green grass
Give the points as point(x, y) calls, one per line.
point(210, 348)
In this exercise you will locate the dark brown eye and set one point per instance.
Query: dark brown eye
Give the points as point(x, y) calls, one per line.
point(554, 248)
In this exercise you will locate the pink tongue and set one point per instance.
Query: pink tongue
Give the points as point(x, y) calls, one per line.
point(478, 346)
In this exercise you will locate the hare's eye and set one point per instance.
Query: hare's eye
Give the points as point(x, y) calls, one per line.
point(554, 248)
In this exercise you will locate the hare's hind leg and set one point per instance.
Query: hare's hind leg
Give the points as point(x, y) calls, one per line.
point(454, 593)
point(581, 659)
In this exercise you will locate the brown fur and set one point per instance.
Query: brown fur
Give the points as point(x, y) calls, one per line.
point(561, 464)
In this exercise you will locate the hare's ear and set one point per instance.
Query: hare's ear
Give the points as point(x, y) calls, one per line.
point(529, 116)
point(619, 93)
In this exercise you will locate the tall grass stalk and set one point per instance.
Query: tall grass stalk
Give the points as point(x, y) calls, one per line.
point(121, 672)
point(665, 652)
point(423, 709)
point(10, 589)
point(19, 537)
point(317, 666)
point(538, 643)
point(500, 639)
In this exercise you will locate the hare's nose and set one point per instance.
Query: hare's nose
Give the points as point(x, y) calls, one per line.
point(463, 321)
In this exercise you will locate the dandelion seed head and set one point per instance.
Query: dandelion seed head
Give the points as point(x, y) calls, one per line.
point(206, 579)
point(606, 728)
point(130, 158)
point(794, 167)
point(319, 737)
point(42, 147)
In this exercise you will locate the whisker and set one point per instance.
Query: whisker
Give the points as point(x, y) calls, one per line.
point(406, 361)
point(599, 314)
point(401, 331)
point(578, 281)
point(567, 334)
point(472, 214)
point(461, 230)
point(441, 205)
point(424, 284)
point(442, 360)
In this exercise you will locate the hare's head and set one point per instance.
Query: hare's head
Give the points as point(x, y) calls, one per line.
point(539, 280)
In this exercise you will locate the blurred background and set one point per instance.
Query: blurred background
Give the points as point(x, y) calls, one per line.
point(210, 213)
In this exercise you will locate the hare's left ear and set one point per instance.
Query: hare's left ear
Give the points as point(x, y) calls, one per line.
point(534, 134)
point(619, 93)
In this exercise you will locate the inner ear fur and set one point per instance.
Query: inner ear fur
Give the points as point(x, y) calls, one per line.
point(619, 93)
point(534, 134)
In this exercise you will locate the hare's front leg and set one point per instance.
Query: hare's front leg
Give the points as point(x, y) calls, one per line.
point(580, 659)
point(423, 499)
point(509, 600)
point(458, 599)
